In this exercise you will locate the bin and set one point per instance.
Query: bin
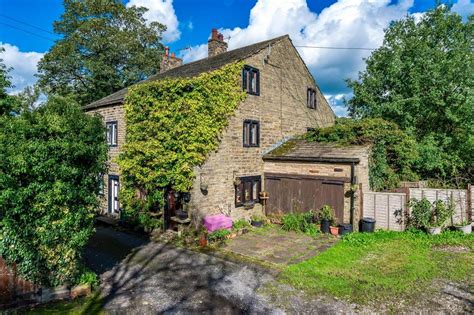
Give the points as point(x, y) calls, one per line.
point(345, 229)
point(368, 225)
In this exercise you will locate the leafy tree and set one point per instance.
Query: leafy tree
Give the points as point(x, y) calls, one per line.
point(104, 47)
point(50, 161)
point(393, 151)
point(8, 103)
point(422, 79)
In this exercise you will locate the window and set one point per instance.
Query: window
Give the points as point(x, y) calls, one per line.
point(251, 133)
point(112, 133)
point(311, 98)
point(248, 190)
point(251, 80)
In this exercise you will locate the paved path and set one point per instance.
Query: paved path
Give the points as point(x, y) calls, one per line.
point(145, 277)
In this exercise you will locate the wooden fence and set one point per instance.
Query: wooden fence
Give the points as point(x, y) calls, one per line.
point(12, 288)
point(386, 207)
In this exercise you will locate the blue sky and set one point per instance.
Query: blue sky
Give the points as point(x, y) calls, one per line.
point(26, 30)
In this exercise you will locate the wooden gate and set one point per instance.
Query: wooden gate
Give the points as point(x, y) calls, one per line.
point(298, 193)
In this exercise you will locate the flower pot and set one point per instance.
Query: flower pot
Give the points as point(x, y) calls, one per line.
point(334, 230)
point(325, 225)
point(257, 223)
point(466, 229)
point(434, 230)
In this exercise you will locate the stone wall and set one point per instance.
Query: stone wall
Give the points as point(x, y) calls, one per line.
point(282, 112)
point(111, 113)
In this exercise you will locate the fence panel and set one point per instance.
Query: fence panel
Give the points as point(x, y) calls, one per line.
point(458, 196)
point(383, 208)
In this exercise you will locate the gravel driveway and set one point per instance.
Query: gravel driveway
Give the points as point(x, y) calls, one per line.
point(142, 277)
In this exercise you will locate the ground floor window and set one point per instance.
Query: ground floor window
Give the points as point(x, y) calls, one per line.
point(114, 188)
point(247, 190)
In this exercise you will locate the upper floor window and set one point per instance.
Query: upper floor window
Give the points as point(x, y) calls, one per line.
point(251, 133)
point(112, 133)
point(251, 80)
point(248, 190)
point(311, 98)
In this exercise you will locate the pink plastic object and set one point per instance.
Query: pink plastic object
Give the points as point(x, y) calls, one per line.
point(217, 222)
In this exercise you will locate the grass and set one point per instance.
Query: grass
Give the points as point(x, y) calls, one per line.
point(385, 266)
point(90, 305)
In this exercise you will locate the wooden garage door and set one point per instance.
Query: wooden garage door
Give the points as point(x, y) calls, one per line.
point(293, 193)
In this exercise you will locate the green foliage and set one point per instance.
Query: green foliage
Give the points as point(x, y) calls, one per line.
point(172, 126)
point(421, 78)
point(88, 277)
point(326, 213)
point(299, 222)
point(50, 161)
point(394, 153)
point(257, 218)
point(8, 103)
point(104, 47)
point(425, 214)
point(385, 267)
point(218, 235)
point(240, 224)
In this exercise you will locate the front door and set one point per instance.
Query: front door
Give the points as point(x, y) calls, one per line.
point(114, 187)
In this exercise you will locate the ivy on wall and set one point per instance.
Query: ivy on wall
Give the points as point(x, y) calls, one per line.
point(171, 127)
point(394, 153)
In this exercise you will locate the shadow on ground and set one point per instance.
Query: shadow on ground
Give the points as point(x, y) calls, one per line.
point(139, 276)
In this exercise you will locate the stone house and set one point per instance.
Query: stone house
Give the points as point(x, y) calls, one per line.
point(283, 102)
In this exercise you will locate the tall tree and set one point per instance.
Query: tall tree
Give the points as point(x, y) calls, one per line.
point(8, 103)
point(422, 79)
point(104, 47)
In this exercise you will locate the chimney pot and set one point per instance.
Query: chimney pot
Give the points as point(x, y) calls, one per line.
point(169, 62)
point(214, 34)
point(216, 45)
point(172, 55)
point(220, 37)
point(167, 51)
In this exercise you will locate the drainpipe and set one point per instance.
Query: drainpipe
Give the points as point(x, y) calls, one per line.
point(352, 194)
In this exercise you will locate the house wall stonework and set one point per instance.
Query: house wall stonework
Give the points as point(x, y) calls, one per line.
point(111, 113)
point(282, 112)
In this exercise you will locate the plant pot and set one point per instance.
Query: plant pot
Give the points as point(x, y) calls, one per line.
point(203, 241)
point(325, 225)
point(257, 223)
point(466, 229)
point(434, 230)
point(334, 230)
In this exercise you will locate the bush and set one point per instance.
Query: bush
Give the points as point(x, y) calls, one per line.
point(425, 214)
point(218, 235)
point(240, 224)
point(299, 222)
point(50, 161)
point(88, 277)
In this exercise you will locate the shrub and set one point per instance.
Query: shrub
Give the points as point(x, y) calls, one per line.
point(50, 161)
point(88, 277)
point(218, 235)
point(425, 214)
point(299, 222)
point(240, 224)
point(326, 213)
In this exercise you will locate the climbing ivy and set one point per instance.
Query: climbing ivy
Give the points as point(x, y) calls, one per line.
point(394, 153)
point(171, 127)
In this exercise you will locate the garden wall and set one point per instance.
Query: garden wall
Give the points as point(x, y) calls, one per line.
point(385, 207)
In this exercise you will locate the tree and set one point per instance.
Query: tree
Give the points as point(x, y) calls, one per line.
point(50, 161)
point(8, 103)
point(104, 47)
point(421, 78)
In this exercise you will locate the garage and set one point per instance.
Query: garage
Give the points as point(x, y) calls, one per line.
point(301, 176)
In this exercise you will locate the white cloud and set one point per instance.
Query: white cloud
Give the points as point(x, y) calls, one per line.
point(160, 11)
point(464, 8)
point(346, 23)
point(24, 66)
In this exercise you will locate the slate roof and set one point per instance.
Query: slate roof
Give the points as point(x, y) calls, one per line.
point(193, 69)
point(311, 151)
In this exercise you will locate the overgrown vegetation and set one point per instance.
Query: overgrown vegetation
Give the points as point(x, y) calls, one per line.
point(51, 159)
point(240, 224)
point(172, 125)
point(218, 235)
point(299, 222)
point(425, 214)
point(421, 79)
point(394, 153)
point(386, 267)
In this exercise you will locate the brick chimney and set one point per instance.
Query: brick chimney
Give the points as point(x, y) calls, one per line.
point(216, 44)
point(169, 62)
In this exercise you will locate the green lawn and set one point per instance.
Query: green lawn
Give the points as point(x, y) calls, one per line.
point(386, 266)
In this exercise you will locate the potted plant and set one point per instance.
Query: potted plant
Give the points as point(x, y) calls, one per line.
point(464, 226)
point(256, 221)
point(334, 230)
point(440, 212)
point(326, 217)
